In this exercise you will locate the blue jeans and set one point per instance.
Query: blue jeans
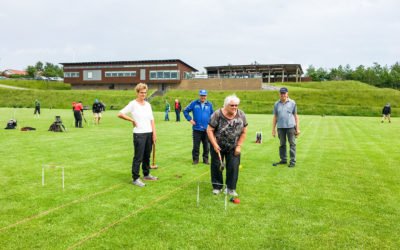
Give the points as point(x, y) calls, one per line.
point(166, 115)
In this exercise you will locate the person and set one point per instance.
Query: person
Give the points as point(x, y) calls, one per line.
point(167, 109)
point(78, 112)
point(37, 108)
point(178, 109)
point(97, 108)
point(287, 121)
point(386, 111)
point(73, 106)
point(103, 106)
point(201, 110)
point(144, 133)
point(226, 130)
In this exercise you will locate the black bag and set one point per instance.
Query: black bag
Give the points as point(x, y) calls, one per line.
point(11, 124)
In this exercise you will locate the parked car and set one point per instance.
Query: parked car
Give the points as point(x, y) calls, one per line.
point(43, 78)
point(56, 78)
point(3, 77)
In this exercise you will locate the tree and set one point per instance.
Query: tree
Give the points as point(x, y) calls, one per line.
point(31, 71)
point(39, 66)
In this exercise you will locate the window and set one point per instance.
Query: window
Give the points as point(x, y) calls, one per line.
point(71, 74)
point(90, 75)
point(164, 74)
point(120, 73)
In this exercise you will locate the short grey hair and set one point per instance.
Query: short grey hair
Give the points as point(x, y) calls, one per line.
point(230, 98)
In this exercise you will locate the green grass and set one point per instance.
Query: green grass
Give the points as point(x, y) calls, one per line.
point(347, 98)
point(343, 192)
point(33, 84)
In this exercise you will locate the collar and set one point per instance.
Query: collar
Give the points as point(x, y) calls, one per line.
point(198, 100)
point(288, 100)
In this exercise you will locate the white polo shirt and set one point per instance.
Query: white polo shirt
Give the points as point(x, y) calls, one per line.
point(142, 115)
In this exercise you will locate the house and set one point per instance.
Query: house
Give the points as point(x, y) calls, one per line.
point(10, 72)
point(124, 75)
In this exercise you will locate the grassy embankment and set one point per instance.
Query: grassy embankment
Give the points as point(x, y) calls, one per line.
point(316, 98)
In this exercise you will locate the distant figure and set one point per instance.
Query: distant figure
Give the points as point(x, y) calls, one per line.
point(178, 109)
point(167, 110)
point(73, 106)
point(201, 110)
point(386, 112)
point(287, 121)
point(97, 108)
point(37, 108)
point(78, 111)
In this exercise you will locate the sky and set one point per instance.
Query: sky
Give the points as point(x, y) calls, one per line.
point(323, 33)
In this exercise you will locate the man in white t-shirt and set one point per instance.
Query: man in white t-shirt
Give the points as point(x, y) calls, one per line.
point(144, 134)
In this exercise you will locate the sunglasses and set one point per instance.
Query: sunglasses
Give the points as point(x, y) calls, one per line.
point(233, 105)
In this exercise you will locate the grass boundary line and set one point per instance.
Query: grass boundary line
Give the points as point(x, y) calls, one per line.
point(61, 206)
point(137, 211)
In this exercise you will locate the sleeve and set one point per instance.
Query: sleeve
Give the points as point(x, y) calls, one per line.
point(186, 111)
point(245, 124)
point(275, 112)
point(295, 108)
point(93, 106)
point(214, 120)
point(211, 108)
point(151, 112)
point(390, 110)
point(128, 109)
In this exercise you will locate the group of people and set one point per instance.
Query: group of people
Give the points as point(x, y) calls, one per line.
point(97, 109)
point(225, 129)
point(178, 109)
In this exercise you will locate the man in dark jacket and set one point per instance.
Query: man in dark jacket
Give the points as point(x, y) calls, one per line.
point(386, 112)
point(97, 108)
point(201, 110)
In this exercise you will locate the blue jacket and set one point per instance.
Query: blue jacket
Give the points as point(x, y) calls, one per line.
point(200, 116)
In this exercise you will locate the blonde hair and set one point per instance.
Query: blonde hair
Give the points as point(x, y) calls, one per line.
point(141, 86)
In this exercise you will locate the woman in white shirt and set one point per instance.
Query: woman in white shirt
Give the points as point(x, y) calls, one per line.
point(144, 134)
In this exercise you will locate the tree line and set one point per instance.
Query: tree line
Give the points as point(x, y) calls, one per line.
point(47, 69)
point(376, 75)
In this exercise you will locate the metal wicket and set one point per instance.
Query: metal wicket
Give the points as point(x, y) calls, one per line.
point(198, 191)
point(52, 166)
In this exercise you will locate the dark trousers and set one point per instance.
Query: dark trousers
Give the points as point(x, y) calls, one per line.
point(232, 162)
point(142, 144)
point(78, 118)
point(178, 115)
point(37, 110)
point(288, 133)
point(200, 136)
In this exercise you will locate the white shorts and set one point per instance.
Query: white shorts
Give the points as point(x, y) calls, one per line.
point(97, 115)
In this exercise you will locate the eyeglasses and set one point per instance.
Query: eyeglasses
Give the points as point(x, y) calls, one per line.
point(142, 92)
point(233, 105)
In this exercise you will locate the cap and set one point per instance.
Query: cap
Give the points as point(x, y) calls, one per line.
point(96, 100)
point(283, 90)
point(388, 103)
point(203, 92)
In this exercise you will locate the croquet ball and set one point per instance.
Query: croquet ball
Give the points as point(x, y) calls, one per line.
point(235, 200)
point(273, 164)
point(240, 166)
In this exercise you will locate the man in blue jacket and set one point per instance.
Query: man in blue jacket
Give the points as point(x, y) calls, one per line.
point(201, 110)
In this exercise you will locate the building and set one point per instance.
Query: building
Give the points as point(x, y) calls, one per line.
point(124, 75)
point(10, 72)
point(268, 72)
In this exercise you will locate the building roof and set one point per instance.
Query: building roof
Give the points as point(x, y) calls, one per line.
point(141, 61)
point(15, 72)
point(261, 68)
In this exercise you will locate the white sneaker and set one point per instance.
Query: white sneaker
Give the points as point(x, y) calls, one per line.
point(230, 192)
point(150, 178)
point(216, 191)
point(138, 183)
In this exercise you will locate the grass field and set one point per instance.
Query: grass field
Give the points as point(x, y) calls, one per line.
point(343, 192)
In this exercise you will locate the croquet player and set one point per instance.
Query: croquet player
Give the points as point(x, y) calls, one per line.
point(97, 108)
point(37, 107)
point(78, 111)
point(201, 110)
point(287, 121)
point(167, 110)
point(178, 109)
point(386, 112)
point(144, 134)
point(226, 130)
